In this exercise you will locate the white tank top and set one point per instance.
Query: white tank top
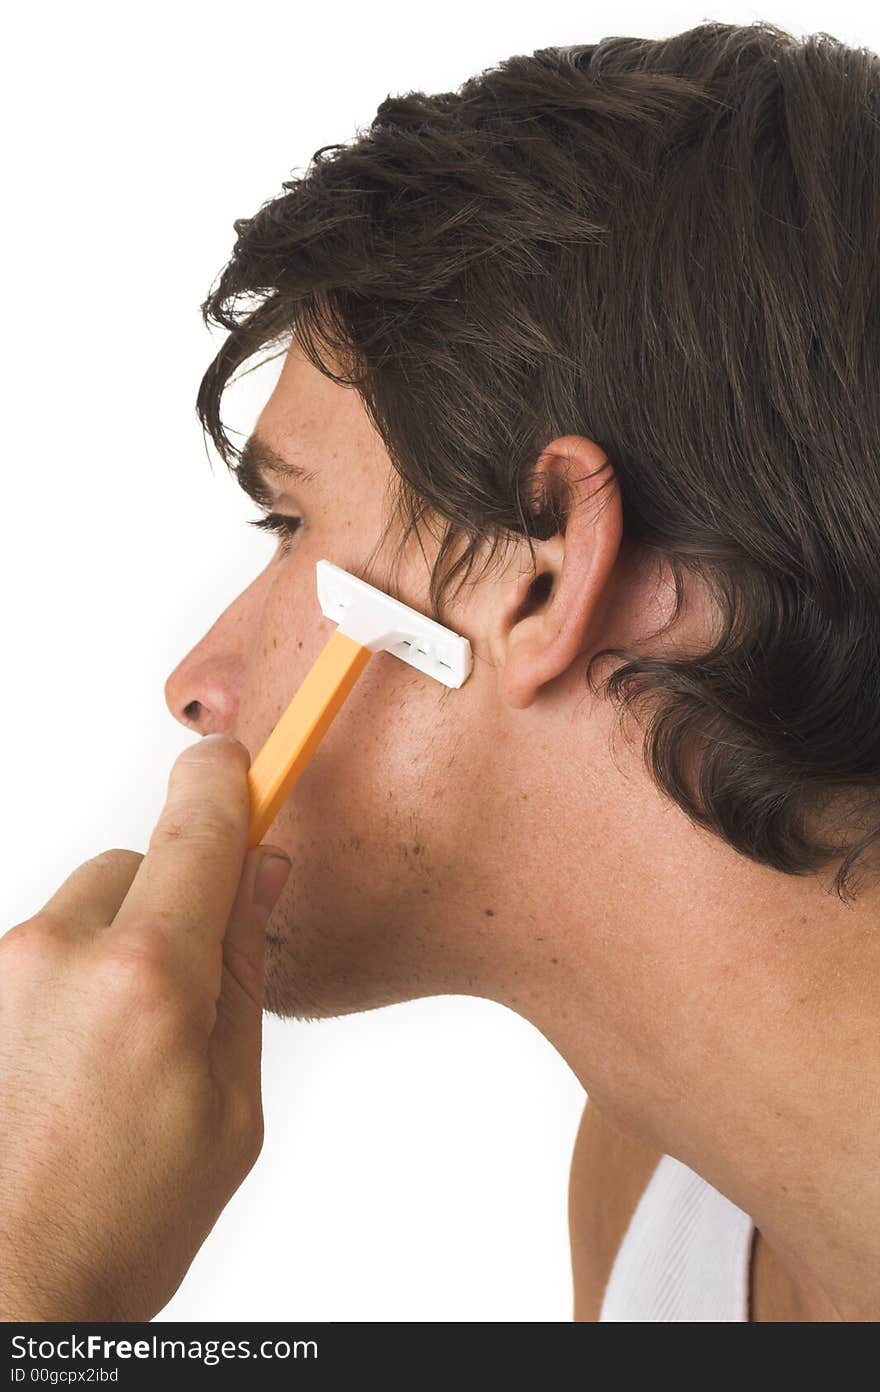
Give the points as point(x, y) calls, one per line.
point(686, 1254)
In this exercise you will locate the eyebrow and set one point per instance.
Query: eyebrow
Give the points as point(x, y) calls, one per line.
point(257, 459)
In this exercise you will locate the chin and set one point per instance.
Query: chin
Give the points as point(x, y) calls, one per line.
point(289, 991)
point(298, 990)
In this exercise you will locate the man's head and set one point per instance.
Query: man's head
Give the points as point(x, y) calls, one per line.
point(421, 829)
point(583, 363)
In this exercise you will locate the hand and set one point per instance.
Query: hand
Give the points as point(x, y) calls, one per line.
point(130, 1042)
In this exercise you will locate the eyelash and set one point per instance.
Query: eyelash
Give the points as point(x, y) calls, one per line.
point(283, 526)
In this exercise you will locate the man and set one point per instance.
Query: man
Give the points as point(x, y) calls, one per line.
point(604, 327)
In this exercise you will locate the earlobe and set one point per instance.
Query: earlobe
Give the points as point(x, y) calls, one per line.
point(550, 613)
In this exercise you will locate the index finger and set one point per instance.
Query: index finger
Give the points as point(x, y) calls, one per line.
point(188, 879)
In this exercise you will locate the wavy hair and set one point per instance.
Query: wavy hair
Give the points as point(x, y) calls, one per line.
point(670, 247)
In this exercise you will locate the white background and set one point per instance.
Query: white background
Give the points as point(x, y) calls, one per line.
point(416, 1158)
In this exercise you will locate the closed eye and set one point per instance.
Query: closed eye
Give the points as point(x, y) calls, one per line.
point(279, 523)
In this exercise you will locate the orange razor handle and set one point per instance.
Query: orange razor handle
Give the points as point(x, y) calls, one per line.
point(301, 728)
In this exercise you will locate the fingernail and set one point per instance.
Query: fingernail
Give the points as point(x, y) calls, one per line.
point(270, 879)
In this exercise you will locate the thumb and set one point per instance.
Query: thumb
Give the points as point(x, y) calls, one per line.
point(238, 1031)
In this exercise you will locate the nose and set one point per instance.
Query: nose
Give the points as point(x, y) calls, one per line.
point(204, 690)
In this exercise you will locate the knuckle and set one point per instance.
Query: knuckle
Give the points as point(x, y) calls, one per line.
point(142, 980)
point(140, 969)
point(33, 941)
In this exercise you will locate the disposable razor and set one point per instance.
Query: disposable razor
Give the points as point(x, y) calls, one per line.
point(368, 621)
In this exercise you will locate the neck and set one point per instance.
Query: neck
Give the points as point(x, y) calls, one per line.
point(740, 1035)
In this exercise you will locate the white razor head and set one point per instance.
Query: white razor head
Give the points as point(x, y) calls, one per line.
point(376, 621)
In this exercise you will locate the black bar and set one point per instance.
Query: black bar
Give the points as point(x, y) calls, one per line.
point(280, 1354)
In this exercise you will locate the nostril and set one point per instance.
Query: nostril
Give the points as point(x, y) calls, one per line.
point(192, 711)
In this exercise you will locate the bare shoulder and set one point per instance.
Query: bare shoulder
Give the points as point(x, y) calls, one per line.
point(609, 1171)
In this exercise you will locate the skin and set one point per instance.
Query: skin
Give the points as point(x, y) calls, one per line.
point(504, 840)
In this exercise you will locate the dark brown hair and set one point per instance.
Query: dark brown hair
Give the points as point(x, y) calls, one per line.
point(670, 247)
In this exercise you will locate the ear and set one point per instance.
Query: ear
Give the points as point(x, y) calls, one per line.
point(548, 615)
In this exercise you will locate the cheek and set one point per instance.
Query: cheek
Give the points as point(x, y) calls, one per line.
point(389, 747)
point(292, 629)
point(388, 784)
point(377, 807)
